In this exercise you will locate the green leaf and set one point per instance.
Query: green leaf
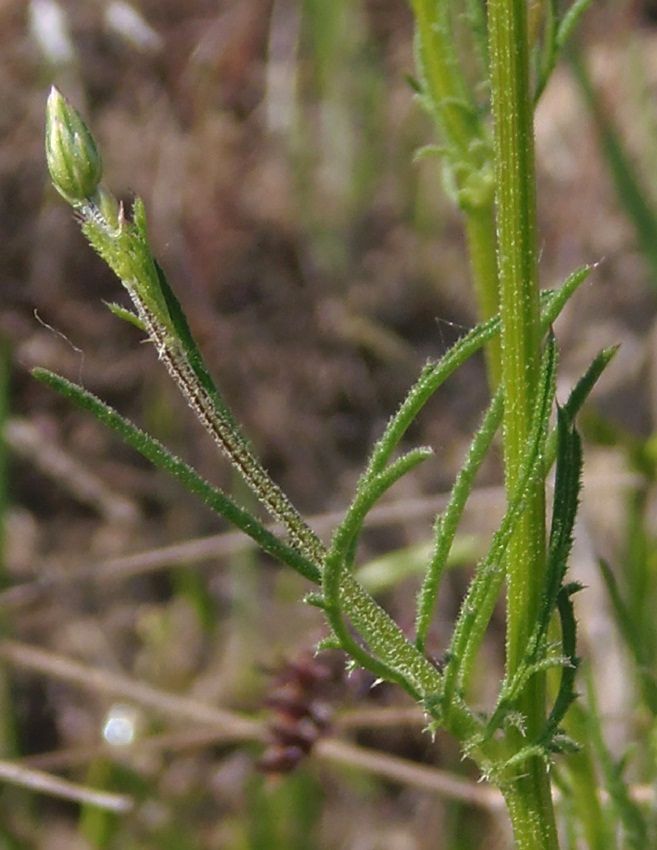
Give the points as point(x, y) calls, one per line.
point(447, 523)
point(194, 357)
point(558, 33)
point(627, 811)
point(632, 636)
point(161, 457)
point(338, 562)
point(479, 602)
point(579, 394)
point(435, 374)
point(566, 694)
point(565, 504)
point(570, 20)
point(564, 508)
point(629, 189)
point(125, 315)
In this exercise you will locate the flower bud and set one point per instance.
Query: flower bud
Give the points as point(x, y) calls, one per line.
point(73, 159)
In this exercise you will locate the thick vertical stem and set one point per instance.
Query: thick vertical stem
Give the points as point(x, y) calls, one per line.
point(529, 804)
point(528, 797)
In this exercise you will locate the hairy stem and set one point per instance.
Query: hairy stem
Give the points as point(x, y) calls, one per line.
point(480, 233)
point(528, 797)
point(467, 156)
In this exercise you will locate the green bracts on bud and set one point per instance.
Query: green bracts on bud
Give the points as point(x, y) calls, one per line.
point(108, 207)
point(74, 162)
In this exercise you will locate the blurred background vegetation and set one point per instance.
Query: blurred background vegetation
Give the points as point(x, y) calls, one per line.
point(319, 265)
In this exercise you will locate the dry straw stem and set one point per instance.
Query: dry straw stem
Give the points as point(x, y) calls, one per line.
point(111, 684)
point(44, 783)
point(235, 727)
point(202, 549)
point(328, 750)
point(227, 726)
point(123, 567)
point(175, 741)
point(68, 472)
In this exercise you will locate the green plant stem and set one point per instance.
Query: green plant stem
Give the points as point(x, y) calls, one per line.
point(452, 103)
point(531, 827)
point(528, 797)
point(450, 97)
point(480, 233)
point(477, 607)
point(519, 301)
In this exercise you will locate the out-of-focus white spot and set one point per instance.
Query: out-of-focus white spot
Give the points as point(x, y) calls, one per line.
point(127, 22)
point(49, 28)
point(120, 726)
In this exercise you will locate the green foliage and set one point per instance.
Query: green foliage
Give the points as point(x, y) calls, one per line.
point(283, 816)
point(158, 455)
point(519, 737)
point(631, 194)
point(578, 780)
point(626, 811)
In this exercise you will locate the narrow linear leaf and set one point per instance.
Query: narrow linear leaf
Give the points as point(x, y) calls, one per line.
point(568, 484)
point(579, 394)
point(161, 457)
point(570, 21)
point(479, 602)
point(583, 388)
point(125, 315)
point(447, 522)
point(628, 813)
point(557, 36)
point(184, 334)
point(567, 447)
point(371, 491)
point(632, 636)
point(340, 555)
point(631, 194)
point(566, 694)
point(547, 57)
point(435, 374)
point(565, 504)
point(446, 525)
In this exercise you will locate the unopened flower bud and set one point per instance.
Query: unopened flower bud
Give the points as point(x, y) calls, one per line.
point(74, 162)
